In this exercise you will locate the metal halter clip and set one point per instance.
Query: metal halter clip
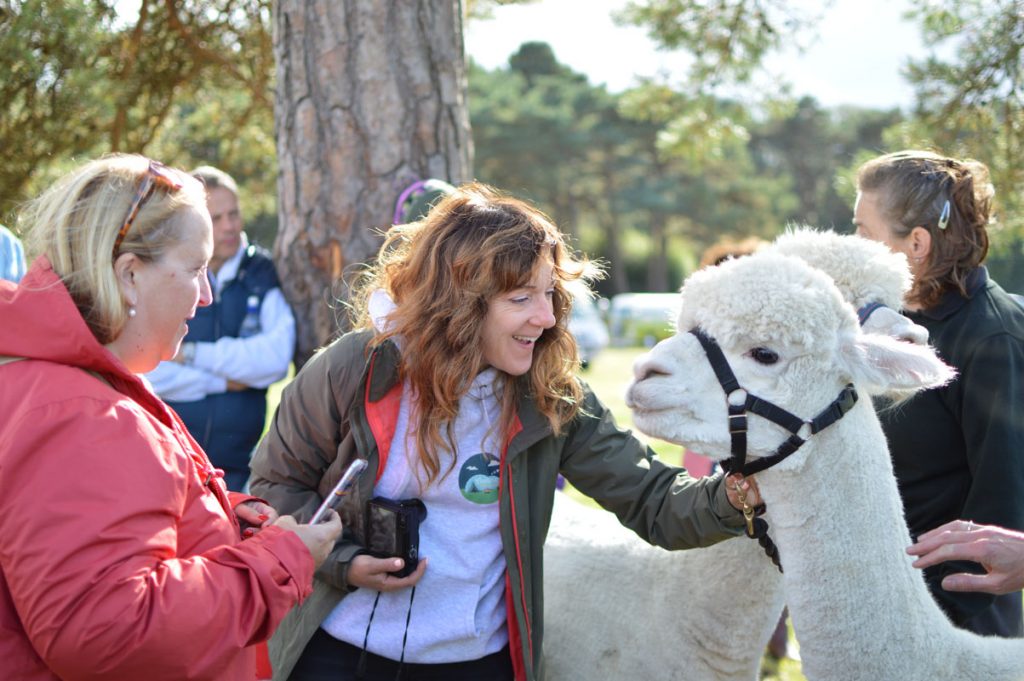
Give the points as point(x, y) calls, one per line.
point(737, 423)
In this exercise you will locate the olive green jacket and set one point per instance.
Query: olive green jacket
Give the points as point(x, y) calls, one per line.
point(343, 405)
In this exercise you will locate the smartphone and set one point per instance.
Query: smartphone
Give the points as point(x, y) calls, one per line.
point(349, 478)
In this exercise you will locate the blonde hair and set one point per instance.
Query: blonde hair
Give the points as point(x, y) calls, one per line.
point(916, 189)
point(75, 222)
point(442, 272)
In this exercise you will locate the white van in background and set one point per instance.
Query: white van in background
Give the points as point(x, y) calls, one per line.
point(586, 324)
point(642, 318)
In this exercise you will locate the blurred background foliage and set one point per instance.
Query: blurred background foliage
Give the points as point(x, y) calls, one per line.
point(644, 179)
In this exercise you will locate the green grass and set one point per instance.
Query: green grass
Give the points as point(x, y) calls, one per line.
point(608, 376)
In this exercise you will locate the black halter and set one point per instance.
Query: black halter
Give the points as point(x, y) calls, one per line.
point(800, 430)
point(757, 528)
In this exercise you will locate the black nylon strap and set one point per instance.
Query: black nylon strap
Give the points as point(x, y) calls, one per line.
point(774, 414)
point(866, 310)
point(835, 411)
point(737, 412)
point(785, 449)
point(738, 434)
point(765, 409)
point(832, 413)
point(719, 364)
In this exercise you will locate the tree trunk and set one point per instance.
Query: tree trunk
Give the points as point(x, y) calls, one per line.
point(657, 270)
point(371, 96)
point(611, 225)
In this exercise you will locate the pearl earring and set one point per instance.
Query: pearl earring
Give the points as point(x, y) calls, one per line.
point(131, 311)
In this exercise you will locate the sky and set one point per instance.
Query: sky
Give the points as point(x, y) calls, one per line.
point(856, 57)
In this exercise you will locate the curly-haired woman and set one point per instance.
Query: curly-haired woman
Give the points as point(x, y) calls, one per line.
point(459, 387)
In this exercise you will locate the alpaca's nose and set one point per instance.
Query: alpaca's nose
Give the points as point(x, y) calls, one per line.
point(645, 367)
point(651, 372)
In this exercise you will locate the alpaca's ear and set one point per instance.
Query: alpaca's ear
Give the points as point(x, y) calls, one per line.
point(878, 364)
point(890, 322)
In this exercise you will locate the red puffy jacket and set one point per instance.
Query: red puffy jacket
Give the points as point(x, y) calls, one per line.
point(120, 557)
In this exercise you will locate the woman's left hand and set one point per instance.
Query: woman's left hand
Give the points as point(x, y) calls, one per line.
point(739, 490)
point(253, 515)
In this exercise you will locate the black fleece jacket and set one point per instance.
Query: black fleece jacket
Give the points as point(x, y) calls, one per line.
point(958, 451)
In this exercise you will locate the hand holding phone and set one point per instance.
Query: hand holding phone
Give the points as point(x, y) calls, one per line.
point(319, 539)
point(333, 499)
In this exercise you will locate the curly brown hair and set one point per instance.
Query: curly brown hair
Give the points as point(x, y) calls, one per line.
point(728, 247)
point(442, 272)
point(913, 189)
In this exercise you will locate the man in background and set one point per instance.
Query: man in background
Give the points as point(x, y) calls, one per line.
point(236, 347)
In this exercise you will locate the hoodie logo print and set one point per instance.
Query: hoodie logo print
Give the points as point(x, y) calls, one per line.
point(478, 478)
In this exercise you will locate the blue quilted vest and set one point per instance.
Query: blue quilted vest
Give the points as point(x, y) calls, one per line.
point(228, 425)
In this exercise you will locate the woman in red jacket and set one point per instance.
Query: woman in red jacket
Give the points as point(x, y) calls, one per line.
point(121, 552)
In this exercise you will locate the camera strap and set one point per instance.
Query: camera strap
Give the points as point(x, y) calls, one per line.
point(361, 667)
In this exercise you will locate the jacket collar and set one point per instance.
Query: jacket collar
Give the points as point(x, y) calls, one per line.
point(535, 427)
point(953, 301)
point(42, 322)
point(385, 369)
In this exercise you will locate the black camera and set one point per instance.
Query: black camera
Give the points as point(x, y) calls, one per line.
point(393, 530)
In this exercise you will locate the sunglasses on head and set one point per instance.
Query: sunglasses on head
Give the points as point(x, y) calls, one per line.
point(156, 174)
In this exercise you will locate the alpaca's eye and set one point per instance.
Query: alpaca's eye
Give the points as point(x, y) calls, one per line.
point(764, 356)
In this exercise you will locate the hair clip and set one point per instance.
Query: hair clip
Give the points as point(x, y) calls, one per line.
point(944, 216)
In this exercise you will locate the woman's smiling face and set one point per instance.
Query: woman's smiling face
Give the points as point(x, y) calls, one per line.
point(516, 319)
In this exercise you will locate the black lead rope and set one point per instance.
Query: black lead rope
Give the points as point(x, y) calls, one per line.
point(757, 528)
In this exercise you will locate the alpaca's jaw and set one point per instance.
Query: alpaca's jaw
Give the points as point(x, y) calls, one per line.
point(665, 425)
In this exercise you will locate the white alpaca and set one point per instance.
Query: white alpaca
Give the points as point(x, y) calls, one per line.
point(860, 611)
point(619, 608)
point(864, 271)
point(616, 607)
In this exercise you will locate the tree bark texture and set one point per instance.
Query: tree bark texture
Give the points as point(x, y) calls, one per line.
point(371, 96)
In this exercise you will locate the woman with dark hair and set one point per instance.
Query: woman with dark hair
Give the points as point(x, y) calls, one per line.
point(122, 554)
point(957, 449)
point(459, 387)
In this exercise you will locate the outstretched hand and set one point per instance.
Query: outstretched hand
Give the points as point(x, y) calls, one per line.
point(998, 550)
point(374, 573)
